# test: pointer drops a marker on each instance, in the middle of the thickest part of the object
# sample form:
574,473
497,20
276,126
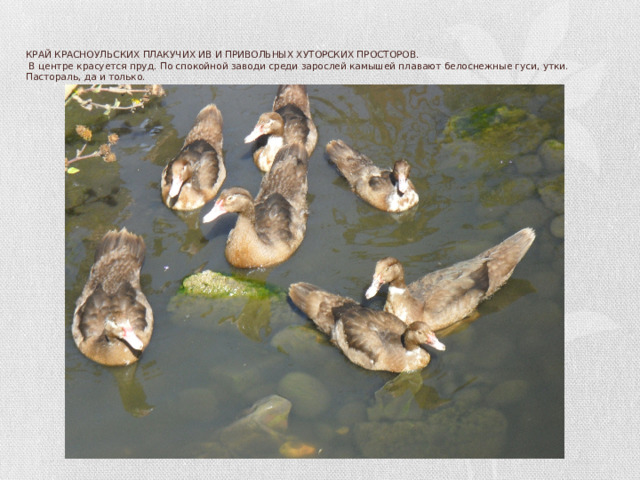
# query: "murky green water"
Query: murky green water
484,166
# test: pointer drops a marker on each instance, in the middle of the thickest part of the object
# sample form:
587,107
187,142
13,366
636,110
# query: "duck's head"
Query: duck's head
419,333
181,172
269,123
231,200
401,169
122,329
387,270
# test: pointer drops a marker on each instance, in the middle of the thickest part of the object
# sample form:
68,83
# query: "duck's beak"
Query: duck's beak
403,184
217,210
433,341
374,287
176,185
257,132
129,336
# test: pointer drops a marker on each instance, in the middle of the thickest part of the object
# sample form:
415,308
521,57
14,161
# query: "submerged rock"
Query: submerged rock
528,164
557,226
552,193
243,302
531,209
260,433
309,396
509,192
552,154
501,131
508,392
197,404
218,285
454,432
404,397
303,344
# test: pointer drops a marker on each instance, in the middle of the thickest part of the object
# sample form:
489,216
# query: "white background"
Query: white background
597,41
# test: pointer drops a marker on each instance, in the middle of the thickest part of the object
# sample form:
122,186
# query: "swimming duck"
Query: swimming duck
113,321
289,122
388,190
195,175
446,296
372,339
271,227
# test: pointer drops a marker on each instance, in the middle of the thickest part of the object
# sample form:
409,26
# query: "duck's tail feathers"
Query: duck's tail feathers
317,304
292,95
348,160
208,127
503,258
122,240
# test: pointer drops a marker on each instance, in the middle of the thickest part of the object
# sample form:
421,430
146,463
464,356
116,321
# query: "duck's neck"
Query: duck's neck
408,340
398,284
246,220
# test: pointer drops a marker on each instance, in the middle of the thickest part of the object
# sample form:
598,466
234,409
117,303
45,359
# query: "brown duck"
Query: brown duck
289,122
446,296
388,190
195,175
271,227
113,321
372,339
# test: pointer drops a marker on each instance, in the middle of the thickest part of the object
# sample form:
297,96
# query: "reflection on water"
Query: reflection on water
486,161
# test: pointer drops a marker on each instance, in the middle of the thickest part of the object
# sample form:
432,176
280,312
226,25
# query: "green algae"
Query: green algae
485,119
498,132
218,285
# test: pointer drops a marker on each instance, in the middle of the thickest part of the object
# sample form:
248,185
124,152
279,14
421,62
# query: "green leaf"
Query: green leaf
72,170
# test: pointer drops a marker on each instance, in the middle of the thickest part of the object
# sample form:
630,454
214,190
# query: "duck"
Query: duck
113,321
271,227
387,190
289,122
194,176
371,339
446,296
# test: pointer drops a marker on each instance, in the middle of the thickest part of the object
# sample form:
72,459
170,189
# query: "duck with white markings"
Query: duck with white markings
388,190
113,321
289,122
371,339
195,175
270,228
446,296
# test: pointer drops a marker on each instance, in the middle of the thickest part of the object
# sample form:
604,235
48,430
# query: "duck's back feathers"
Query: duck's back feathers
296,125
452,293
292,95
195,175
353,165
320,306
486,272
208,127
287,176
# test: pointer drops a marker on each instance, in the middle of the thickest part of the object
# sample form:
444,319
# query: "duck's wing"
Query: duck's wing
287,176
353,165
371,332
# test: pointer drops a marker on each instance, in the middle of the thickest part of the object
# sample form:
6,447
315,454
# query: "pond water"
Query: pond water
486,161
